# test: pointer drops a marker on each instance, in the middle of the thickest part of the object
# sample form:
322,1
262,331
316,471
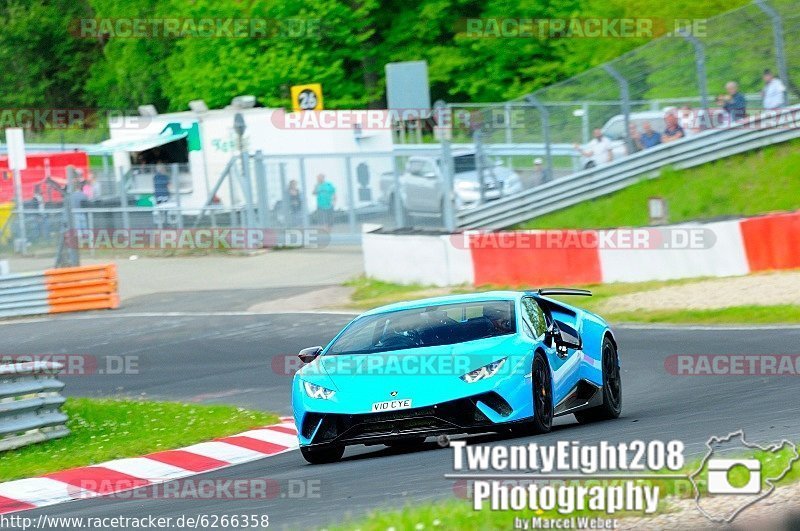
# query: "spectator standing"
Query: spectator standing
649,137
674,131
774,93
76,201
735,104
635,137
326,199
597,150
295,203
161,184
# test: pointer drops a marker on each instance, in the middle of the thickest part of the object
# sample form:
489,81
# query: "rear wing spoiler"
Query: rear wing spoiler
546,292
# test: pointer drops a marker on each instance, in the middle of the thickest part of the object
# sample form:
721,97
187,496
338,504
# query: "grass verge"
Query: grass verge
108,429
459,514
371,293
743,185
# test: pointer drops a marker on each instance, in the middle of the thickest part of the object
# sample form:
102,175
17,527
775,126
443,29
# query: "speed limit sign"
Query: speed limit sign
307,97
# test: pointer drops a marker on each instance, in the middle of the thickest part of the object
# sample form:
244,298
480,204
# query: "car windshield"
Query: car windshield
427,326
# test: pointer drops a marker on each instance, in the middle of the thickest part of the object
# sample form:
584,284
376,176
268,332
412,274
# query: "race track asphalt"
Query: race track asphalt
228,358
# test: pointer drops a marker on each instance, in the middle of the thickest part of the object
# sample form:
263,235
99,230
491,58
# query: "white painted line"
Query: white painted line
225,452
272,436
149,469
42,491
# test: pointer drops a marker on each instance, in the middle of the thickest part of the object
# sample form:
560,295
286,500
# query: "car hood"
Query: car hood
501,173
426,375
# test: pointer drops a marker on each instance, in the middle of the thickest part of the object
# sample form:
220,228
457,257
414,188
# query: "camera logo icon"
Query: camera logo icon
719,476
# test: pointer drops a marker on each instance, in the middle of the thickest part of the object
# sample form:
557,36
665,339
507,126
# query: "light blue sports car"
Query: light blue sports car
485,362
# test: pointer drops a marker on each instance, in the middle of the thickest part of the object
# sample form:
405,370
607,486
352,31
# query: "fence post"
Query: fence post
261,189
507,122
477,139
700,65
397,202
532,100
585,134
351,203
123,200
304,191
624,92
777,33
248,190
283,195
23,236
175,178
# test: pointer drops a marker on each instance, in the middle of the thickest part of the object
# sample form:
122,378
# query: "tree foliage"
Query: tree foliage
343,44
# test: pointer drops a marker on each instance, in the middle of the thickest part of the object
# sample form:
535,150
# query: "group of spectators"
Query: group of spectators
679,123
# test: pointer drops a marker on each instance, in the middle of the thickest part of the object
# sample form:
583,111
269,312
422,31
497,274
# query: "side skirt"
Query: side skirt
584,395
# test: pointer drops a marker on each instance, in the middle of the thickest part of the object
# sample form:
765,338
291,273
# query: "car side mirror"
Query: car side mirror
566,337
307,355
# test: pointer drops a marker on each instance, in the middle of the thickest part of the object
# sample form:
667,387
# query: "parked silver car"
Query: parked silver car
421,189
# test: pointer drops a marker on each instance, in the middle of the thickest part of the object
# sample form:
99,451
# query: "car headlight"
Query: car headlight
487,371
317,391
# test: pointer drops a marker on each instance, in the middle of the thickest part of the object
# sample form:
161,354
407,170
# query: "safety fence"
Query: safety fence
750,134
30,404
69,289
536,258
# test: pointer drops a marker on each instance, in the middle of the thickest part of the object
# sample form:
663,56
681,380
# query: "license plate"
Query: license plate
390,405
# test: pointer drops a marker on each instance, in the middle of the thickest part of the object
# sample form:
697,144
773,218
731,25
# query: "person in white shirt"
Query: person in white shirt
774,93
597,150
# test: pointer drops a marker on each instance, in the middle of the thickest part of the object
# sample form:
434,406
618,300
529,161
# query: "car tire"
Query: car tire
612,389
322,455
542,395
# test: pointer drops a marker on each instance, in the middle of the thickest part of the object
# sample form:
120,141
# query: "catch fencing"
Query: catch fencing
754,133
30,404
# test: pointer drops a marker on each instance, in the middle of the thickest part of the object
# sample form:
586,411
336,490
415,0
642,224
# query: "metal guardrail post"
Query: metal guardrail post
261,189
533,101
777,33
700,65
625,95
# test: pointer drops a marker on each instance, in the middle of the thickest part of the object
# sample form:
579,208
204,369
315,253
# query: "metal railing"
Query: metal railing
752,133
30,404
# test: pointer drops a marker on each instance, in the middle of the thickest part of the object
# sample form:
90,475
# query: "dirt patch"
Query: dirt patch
331,298
760,290
768,513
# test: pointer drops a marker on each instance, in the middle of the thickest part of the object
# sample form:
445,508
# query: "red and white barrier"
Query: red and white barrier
574,257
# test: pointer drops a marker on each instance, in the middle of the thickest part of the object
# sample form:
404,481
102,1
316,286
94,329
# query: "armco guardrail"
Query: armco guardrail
69,289
588,184
30,404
